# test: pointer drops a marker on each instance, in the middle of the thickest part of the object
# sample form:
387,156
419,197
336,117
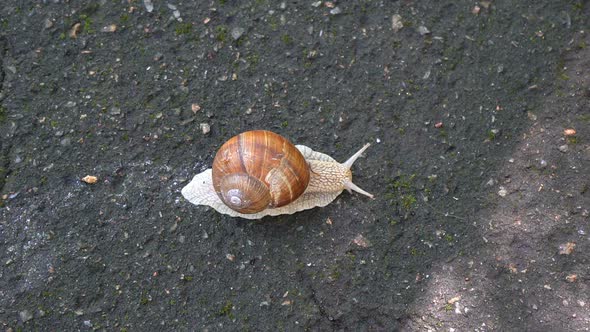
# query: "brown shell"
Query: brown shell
264,156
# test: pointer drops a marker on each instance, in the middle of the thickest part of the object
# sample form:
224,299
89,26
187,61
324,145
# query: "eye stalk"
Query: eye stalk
348,164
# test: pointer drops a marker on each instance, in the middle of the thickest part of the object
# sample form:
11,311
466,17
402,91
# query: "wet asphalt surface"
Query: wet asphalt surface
479,119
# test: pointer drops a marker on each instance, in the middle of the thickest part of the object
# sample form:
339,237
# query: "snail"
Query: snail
259,173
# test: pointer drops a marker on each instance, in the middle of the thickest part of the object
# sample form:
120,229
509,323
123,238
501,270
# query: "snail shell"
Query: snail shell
260,173
259,169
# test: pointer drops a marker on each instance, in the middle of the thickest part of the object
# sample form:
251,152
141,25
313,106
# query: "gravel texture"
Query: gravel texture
481,217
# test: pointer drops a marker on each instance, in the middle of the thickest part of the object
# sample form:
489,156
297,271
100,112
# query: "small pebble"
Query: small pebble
531,116
205,128
90,179
569,132
25,316
74,30
360,241
454,299
48,23
422,30
195,108
65,142
335,11
187,121
502,192
563,148
396,23
110,28
567,248
175,12
543,163
148,5
237,32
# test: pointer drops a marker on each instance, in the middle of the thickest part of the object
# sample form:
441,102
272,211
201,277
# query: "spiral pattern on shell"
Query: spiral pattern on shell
259,169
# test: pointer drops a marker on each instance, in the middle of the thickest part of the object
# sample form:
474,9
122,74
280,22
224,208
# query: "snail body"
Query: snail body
259,173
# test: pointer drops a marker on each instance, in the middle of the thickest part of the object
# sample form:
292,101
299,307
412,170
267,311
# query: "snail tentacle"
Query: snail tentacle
353,187
348,185
351,160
